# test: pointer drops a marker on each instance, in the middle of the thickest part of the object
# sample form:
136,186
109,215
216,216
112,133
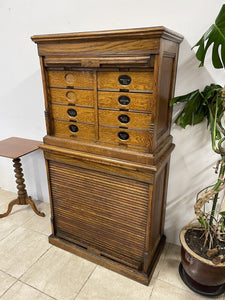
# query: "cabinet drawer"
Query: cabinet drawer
126,119
76,79
126,80
131,101
125,136
70,96
71,129
80,114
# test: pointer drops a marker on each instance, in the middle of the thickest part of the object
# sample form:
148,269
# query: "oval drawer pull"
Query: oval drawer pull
123,135
124,100
71,96
124,79
124,119
69,78
73,128
72,112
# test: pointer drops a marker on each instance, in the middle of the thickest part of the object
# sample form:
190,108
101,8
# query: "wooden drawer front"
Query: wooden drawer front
102,210
70,96
80,114
138,80
126,119
131,101
138,138
62,129
76,79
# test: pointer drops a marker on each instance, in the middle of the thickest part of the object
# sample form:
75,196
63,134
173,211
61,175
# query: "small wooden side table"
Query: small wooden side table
14,148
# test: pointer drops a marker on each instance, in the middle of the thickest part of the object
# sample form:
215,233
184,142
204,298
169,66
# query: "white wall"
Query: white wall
21,96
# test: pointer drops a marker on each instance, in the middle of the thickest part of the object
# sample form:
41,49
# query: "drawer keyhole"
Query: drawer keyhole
124,119
124,100
73,128
124,79
72,112
124,136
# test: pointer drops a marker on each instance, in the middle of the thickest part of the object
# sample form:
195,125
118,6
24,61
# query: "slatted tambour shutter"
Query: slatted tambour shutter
98,209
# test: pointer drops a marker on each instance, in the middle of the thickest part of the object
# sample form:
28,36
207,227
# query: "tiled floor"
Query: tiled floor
32,269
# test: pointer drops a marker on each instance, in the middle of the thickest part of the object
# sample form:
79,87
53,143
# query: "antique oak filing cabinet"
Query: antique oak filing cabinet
108,145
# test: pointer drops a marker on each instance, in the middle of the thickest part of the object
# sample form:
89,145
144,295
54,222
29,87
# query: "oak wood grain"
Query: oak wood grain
83,79
72,97
139,80
140,138
62,129
135,120
67,113
138,101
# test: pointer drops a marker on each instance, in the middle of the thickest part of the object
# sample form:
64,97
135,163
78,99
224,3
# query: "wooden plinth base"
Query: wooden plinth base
110,264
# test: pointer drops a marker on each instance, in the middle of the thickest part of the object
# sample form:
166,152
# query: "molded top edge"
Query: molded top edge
159,31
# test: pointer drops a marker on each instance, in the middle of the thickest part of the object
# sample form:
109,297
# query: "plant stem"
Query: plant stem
213,210
217,185
213,121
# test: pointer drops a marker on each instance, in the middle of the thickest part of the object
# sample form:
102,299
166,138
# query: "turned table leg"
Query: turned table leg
22,198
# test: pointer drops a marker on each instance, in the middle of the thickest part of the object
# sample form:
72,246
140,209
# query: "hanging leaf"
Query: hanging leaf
200,105
194,110
215,36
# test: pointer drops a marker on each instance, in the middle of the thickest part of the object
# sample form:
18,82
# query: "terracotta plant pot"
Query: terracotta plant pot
200,274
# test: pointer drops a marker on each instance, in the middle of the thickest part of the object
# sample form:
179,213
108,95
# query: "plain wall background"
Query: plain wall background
21,96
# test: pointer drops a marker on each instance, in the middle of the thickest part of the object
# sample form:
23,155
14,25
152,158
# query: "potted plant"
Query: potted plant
202,265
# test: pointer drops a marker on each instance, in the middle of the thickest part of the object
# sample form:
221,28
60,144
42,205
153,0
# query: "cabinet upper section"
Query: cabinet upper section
109,90
94,49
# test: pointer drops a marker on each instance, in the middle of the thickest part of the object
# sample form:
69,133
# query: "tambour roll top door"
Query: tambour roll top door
106,211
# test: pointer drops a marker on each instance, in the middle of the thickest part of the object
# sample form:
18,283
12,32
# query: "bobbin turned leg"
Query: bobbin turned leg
22,198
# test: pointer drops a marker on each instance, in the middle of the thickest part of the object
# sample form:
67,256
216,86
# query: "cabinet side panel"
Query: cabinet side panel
164,111
158,209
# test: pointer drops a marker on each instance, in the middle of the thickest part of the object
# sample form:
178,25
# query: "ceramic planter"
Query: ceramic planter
200,274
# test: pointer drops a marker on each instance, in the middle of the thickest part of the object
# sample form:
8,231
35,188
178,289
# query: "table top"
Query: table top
15,147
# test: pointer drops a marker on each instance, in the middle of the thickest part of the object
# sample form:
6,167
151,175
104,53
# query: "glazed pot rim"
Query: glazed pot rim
186,247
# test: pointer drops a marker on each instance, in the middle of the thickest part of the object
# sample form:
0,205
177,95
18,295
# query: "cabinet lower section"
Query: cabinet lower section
108,211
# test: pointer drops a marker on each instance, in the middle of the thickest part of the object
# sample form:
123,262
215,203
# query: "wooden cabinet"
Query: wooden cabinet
108,143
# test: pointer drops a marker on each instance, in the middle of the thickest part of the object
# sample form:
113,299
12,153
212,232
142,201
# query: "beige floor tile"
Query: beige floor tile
161,261
169,268
166,291
20,249
40,224
19,215
21,291
6,227
105,284
59,274
6,195
5,282
5,198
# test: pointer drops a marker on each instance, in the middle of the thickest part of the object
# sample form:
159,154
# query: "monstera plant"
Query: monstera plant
204,236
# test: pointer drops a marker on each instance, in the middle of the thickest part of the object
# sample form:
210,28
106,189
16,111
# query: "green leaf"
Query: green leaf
222,213
214,36
193,112
210,91
184,98
202,222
